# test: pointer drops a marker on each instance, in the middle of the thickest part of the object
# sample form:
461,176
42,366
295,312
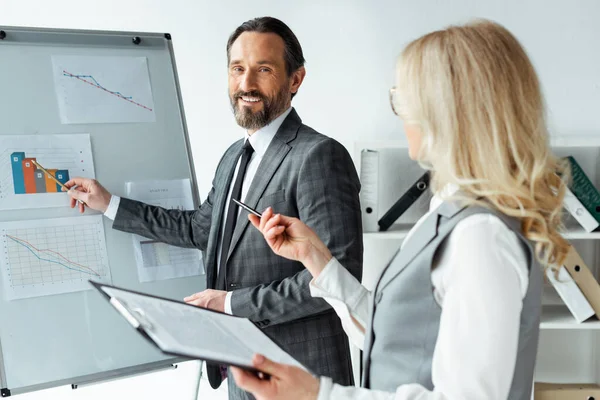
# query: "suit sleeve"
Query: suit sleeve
178,228
328,202
175,227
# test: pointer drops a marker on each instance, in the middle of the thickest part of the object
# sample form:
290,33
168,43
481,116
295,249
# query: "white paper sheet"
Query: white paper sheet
196,332
155,260
71,154
52,256
97,89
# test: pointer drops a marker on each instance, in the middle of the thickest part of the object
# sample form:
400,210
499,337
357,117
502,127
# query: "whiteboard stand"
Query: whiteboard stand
75,338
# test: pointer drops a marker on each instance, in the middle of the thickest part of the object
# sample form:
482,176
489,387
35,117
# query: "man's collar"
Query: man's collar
261,139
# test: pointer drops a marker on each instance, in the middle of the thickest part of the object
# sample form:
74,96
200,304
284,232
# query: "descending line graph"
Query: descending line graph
96,84
43,257
50,254
103,89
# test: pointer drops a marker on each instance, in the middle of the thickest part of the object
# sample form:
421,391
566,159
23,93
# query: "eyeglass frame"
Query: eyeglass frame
392,95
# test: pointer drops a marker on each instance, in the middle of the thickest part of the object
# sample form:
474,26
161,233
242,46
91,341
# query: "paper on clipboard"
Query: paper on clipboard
156,260
181,329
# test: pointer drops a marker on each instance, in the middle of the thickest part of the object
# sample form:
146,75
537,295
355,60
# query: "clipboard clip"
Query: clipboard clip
142,318
138,321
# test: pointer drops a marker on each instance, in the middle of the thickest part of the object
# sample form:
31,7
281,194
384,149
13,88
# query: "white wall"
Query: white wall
350,47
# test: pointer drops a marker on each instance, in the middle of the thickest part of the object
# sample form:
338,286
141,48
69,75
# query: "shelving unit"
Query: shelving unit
559,317
568,351
401,230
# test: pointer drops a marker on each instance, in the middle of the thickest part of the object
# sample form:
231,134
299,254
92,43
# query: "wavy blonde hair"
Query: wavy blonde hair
476,98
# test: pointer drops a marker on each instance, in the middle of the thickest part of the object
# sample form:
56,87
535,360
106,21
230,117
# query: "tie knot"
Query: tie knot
248,147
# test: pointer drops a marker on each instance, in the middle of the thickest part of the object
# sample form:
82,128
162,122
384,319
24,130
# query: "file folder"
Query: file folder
584,278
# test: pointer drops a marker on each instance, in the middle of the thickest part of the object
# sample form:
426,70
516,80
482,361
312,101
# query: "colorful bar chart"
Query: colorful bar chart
27,179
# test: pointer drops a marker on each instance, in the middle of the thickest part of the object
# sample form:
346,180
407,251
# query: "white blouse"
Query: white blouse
480,281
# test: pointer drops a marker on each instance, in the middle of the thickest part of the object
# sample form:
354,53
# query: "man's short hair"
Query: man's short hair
294,59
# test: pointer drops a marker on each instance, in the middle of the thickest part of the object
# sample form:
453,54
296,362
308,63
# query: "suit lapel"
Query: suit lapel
417,242
274,156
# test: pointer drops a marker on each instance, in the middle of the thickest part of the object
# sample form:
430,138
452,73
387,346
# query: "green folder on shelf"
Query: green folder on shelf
584,189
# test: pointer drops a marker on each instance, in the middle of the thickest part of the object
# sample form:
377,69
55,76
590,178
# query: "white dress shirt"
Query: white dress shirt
479,281
260,141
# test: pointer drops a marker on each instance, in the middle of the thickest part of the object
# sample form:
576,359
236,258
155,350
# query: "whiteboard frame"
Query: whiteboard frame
100,38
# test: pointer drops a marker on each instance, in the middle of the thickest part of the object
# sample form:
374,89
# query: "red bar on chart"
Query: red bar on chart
29,175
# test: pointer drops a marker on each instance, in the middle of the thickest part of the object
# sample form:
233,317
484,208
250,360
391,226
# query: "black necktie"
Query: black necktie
232,214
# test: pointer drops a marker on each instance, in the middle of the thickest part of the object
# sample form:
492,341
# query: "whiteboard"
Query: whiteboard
74,338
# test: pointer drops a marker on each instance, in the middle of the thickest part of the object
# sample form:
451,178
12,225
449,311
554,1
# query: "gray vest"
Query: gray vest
405,317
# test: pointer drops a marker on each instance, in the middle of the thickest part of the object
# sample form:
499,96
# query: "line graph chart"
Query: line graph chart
52,256
103,89
90,80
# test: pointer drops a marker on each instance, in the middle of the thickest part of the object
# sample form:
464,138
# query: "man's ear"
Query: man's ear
297,79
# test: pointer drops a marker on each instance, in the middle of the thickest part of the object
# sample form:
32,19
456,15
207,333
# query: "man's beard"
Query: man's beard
248,119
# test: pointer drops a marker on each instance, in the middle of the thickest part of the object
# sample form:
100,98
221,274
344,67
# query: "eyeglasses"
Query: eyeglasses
392,98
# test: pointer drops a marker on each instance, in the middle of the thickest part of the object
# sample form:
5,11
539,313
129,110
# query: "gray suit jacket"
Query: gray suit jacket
303,174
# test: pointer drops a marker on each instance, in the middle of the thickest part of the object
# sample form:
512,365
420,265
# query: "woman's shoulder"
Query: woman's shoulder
487,238
485,229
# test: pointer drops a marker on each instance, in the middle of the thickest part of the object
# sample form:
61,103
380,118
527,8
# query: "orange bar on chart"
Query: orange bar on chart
29,175
51,183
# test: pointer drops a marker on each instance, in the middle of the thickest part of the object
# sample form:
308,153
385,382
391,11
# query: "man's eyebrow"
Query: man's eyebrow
261,62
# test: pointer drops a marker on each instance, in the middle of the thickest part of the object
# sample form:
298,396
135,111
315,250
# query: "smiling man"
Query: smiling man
280,163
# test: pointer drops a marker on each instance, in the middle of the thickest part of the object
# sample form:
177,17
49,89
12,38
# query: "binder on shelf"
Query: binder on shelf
565,391
369,193
584,278
407,199
570,293
584,189
579,211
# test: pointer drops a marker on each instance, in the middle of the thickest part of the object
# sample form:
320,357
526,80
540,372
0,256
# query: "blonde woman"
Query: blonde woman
455,315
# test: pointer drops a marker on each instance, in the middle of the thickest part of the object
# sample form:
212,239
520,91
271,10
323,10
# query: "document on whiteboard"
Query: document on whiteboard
103,89
156,260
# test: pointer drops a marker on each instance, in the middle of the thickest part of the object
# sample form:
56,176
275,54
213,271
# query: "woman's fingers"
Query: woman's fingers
266,215
274,221
274,232
285,220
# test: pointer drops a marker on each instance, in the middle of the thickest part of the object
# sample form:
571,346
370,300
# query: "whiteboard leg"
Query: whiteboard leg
198,379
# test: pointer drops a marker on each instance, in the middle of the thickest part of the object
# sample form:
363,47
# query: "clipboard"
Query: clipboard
184,330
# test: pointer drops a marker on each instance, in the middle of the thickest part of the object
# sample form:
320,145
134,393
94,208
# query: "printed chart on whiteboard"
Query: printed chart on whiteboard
156,260
52,256
22,185
103,89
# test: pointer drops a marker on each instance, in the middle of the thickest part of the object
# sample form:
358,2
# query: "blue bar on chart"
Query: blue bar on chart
63,177
16,160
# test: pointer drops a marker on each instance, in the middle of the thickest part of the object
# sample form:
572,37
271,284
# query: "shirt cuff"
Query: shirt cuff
113,207
325,386
228,303
335,282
